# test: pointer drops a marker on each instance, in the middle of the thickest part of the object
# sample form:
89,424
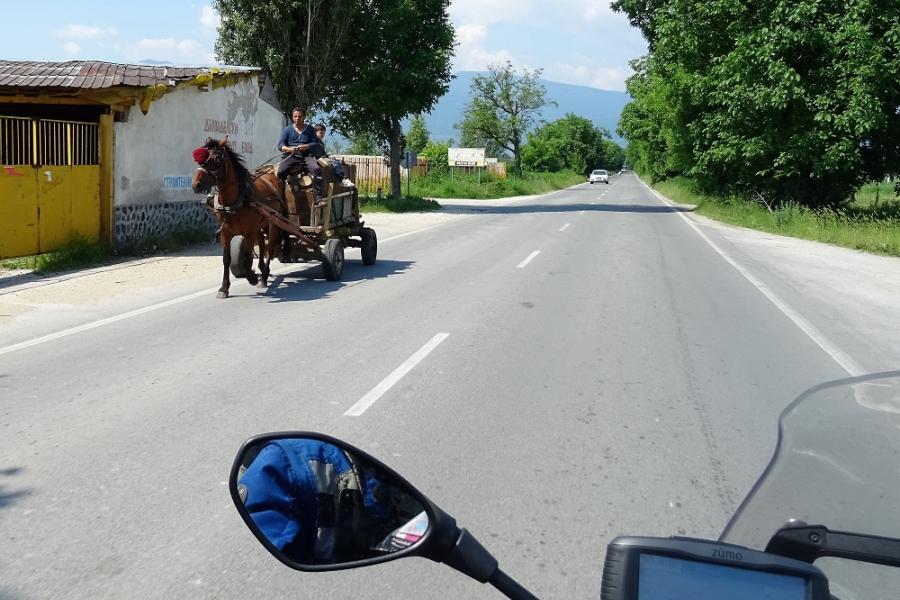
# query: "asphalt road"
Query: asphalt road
627,379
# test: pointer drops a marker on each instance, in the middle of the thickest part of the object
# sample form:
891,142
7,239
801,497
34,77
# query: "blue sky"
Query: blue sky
574,41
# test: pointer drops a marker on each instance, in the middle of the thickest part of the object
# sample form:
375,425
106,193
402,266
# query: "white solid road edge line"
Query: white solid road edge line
528,259
94,324
141,311
840,357
388,382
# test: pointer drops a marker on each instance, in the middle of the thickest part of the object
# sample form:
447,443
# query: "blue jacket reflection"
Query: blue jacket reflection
284,484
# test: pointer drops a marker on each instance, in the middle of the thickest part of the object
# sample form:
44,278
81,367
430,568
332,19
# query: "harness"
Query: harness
245,194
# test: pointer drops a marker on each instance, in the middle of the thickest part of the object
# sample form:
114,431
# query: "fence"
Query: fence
373,172
498,169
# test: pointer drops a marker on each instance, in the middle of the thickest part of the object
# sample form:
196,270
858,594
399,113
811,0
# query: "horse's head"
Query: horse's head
212,159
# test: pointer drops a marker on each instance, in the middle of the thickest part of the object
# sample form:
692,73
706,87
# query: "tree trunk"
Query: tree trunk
395,151
517,151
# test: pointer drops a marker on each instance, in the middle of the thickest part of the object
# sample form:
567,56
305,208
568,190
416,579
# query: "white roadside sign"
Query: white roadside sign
465,157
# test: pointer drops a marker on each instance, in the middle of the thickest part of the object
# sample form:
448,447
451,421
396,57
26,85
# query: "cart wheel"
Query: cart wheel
369,246
333,259
239,260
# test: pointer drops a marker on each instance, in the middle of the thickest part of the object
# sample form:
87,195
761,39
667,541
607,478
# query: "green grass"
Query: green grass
79,252
370,204
82,253
862,224
467,185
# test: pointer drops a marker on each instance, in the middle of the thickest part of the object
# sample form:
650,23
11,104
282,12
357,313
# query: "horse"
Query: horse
222,167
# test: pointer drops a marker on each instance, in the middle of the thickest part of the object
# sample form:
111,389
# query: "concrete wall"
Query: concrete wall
153,164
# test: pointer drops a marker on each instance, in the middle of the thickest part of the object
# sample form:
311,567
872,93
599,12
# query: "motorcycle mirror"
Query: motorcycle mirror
319,504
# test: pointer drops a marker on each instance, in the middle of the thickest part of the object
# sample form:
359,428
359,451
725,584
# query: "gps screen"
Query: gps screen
667,578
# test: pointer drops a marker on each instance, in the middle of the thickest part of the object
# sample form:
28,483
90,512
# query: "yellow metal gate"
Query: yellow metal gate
49,184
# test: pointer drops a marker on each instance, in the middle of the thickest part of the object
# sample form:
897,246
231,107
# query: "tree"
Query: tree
571,143
437,157
417,136
504,107
470,138
790,100
399,65
300,43
658,142
362,144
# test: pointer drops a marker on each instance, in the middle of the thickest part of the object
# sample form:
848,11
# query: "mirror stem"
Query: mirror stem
469,557
510,587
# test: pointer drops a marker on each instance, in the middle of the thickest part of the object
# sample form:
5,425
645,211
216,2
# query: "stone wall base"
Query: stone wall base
138,224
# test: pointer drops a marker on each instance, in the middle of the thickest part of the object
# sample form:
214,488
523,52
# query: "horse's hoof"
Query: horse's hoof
252,279
222,294
262,284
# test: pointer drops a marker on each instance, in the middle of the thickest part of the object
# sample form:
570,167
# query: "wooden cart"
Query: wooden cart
322,232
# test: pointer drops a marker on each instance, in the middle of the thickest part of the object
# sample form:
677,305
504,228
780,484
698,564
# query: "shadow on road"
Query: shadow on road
7,498
308,283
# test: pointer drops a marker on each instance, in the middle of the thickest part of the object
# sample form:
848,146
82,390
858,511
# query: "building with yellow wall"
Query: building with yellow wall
103,150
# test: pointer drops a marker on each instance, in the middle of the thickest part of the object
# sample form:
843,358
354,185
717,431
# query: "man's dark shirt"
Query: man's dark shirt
290,137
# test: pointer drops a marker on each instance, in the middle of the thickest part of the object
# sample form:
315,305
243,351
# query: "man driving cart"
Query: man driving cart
300,148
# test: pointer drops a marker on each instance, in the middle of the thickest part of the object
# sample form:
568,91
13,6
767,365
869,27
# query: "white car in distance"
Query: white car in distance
599,176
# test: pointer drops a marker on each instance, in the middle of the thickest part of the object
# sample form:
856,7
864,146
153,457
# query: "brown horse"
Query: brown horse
222,167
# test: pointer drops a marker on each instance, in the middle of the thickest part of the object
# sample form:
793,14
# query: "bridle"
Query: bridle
216,166
213,164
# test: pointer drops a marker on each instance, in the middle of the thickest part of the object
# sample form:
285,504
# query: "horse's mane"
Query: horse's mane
237,158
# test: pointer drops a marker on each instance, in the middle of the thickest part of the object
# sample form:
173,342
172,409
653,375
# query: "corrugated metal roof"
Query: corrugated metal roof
79,74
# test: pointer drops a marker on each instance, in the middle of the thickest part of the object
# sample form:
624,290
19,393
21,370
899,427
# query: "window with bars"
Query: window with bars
25,141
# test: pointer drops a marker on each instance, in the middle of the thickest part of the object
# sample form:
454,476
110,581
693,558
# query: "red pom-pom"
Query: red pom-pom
200,155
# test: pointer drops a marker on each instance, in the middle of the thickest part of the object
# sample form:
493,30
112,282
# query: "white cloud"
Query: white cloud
471,55
479,59
598,76
186,52
73,31
209,18
72,47
471,34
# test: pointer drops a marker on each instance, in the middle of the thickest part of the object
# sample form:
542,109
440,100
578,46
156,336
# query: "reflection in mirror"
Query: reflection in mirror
318,504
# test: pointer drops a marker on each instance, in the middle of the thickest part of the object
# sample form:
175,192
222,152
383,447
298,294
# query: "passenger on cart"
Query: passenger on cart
336,166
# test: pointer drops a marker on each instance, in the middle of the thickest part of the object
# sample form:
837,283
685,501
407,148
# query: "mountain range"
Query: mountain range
603,107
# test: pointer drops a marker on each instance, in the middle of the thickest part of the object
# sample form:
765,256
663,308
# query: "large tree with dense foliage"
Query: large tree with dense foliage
571,143
504,107
369,63
399,65
300,43
790,100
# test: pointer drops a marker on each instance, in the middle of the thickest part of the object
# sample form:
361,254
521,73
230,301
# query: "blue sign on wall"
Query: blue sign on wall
176,182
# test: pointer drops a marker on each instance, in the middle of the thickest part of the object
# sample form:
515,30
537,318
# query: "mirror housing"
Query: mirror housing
328,502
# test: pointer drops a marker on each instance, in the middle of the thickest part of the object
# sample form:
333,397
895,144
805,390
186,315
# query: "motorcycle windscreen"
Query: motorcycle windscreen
837,464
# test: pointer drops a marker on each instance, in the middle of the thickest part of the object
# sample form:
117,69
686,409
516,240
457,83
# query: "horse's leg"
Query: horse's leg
249,242
274,243
263,263
226,262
